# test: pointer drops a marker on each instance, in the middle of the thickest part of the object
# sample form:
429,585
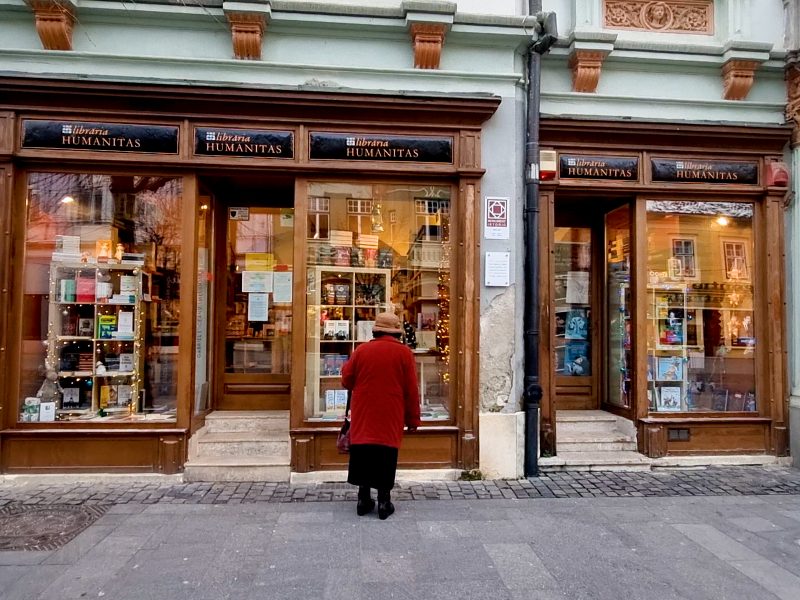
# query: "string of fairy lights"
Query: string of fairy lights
443,293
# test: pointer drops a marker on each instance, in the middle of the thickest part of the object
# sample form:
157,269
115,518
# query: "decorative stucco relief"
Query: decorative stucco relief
793,105
664,17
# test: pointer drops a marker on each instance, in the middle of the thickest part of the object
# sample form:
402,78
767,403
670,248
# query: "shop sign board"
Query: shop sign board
255,143
99,137
382,148
704,171
614,168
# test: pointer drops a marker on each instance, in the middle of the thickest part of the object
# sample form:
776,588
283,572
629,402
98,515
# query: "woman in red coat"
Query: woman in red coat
382,378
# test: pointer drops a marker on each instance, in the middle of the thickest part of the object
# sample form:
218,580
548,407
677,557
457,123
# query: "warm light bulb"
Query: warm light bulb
67,200
722,221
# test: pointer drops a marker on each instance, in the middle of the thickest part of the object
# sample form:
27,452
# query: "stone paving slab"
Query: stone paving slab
712,481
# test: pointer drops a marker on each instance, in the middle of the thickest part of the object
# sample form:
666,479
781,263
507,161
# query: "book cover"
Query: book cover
669,398
669,368
576,326
106,326
576,359
340,400
127,284
124,395
67,290
126,362
105,395
47,411
125,321
86,327
71,397
330,400
84,289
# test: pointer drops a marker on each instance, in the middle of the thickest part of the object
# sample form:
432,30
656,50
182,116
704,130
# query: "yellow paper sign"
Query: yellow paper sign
259,261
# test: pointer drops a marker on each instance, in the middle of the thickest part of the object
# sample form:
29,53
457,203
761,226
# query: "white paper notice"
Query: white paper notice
578,287
257,281
282,286
497,269
496,224
258,307
125,322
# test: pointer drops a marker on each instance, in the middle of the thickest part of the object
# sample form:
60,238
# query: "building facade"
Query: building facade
206,205
664,223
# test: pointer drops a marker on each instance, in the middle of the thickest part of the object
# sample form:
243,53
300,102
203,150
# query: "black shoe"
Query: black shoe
365,506
384,510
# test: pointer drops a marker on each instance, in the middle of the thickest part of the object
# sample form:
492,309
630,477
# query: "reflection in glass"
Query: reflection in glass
102,298
701,340
372,248
618,307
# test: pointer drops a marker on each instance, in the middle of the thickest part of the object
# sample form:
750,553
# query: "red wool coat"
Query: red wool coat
382,378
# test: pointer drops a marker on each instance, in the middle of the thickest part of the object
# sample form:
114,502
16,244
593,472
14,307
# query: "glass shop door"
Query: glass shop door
254,305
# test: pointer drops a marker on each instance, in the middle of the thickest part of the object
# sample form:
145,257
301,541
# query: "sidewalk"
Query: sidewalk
731,533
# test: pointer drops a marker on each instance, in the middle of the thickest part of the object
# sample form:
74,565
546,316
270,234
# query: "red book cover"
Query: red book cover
85,289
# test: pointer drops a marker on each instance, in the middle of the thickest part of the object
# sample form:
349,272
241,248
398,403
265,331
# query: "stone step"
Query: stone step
595,461
252,420
580,416
238,468
595,446
243,443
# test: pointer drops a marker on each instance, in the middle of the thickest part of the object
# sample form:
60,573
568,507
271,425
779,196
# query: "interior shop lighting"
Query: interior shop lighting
67,199
722,221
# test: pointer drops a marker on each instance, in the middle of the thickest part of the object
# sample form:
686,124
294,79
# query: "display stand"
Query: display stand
94,339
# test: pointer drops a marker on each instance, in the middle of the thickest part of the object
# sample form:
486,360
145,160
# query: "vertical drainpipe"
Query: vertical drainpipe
532,393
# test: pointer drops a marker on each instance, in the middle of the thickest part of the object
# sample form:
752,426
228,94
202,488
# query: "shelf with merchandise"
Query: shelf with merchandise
342,303
94,339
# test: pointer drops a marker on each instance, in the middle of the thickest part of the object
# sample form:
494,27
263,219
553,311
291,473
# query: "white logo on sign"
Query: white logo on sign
211,136
679,164
351,141
67,129
571,162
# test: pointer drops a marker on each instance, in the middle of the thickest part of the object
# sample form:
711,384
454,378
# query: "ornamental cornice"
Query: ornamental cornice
793,104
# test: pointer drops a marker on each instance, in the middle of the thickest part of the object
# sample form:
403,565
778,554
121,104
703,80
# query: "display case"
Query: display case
341,308
668,346
93,343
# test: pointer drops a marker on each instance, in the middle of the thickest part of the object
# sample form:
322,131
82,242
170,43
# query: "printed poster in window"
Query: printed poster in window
669,398
257,281
578,287
258,307
576,359
577,324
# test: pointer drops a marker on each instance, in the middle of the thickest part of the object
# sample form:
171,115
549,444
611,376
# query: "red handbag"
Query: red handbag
343,439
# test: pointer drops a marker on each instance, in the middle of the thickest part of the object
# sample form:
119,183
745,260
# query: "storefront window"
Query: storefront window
701,342
372,248
101,304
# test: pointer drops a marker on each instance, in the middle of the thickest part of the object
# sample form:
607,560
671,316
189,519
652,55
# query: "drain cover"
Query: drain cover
44,527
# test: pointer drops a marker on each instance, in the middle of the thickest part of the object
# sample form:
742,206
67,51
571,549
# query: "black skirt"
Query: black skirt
372,465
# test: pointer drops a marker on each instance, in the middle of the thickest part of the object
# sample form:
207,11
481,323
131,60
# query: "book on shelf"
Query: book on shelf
86,327
126,362
106,326
125,322
47,412
71,397
669,398
124,395
85,289
340,400
67,290
330,400
68,245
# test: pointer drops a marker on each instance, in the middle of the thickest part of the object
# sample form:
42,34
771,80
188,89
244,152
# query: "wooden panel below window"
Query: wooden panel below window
421,450
711,437
93,452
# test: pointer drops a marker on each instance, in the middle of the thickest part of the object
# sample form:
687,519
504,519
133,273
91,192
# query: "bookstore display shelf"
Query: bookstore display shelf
94,336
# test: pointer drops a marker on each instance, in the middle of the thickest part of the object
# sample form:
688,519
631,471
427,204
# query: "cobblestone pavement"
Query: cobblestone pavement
712,481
